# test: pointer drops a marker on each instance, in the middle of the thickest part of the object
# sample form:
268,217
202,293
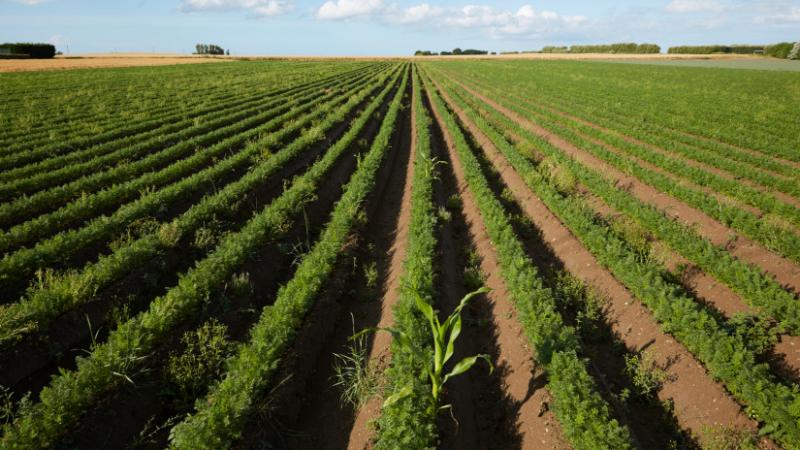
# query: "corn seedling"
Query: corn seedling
444,335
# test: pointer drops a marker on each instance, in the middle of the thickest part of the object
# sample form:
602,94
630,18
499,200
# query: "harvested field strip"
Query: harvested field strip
726,357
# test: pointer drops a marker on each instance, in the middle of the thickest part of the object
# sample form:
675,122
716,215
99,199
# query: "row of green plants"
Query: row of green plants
696,147
139,110
707,152
229,132
773,236
220,417
410,422
583,414
46,301
60,169
22,152
72,393
726,356
755,287
699,102
20,265
130,162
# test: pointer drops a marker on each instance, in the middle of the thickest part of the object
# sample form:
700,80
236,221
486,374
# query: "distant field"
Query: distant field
189,249
98,61
749,63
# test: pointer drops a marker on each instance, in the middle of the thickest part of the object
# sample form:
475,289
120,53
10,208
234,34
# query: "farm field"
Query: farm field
191,252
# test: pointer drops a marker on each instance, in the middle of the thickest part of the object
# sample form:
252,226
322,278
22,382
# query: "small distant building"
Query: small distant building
5,51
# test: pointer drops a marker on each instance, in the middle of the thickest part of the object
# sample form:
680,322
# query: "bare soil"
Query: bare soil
99,61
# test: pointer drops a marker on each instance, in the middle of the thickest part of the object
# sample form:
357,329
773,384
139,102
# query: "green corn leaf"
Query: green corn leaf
466,364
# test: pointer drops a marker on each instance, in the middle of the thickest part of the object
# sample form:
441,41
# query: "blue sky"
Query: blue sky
388,27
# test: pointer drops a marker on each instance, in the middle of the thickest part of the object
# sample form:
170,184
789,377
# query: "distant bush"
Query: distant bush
620,47
699,49
780,50
456,51
38,50
554,49
208,49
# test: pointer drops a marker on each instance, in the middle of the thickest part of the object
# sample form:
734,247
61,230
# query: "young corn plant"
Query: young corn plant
444,335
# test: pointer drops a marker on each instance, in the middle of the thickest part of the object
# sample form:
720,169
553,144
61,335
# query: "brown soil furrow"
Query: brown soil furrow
786,353
785,271
699,401
362,433
537,428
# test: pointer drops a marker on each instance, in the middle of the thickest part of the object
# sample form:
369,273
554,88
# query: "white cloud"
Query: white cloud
413,14
526,20
694,6
789,15
342,9
30,2
261,8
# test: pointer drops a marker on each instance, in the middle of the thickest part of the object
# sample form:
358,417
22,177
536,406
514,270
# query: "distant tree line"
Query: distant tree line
210,49
27,49
779,50
455,51
620,47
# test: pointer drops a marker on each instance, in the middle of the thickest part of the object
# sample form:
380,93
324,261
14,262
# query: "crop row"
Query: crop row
584,415
726,357
673,163
137,111
44,303
751,283
224,129
72,392
220,418
772,236
200,120
410,423
20,264
741,163
686,99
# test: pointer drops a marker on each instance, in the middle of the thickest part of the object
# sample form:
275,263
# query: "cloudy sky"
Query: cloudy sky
389,27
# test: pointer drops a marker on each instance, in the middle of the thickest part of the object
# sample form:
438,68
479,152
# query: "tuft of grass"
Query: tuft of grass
647,374
722,437
353,376
201,361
